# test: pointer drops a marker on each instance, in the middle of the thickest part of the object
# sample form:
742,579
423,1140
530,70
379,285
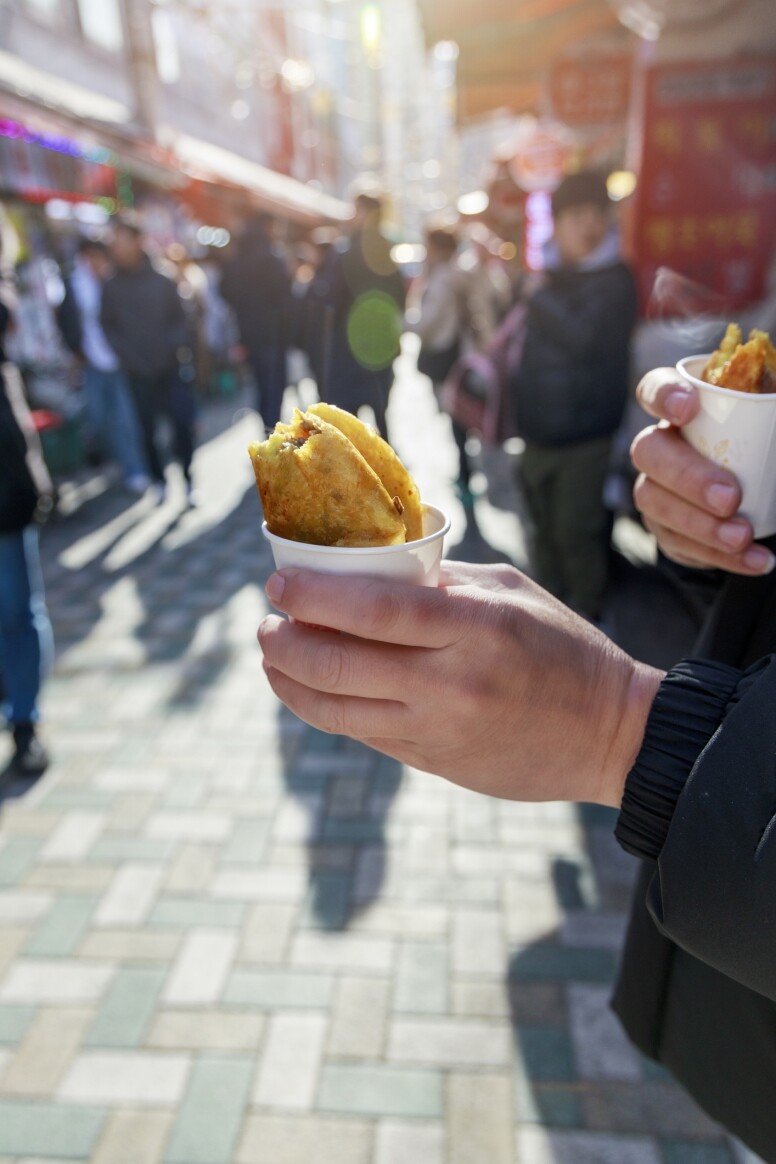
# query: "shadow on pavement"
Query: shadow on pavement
344,792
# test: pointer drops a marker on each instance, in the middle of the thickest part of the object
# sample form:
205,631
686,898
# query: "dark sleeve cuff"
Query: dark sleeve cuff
689,706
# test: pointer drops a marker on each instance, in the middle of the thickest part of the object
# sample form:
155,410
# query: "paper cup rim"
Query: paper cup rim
717,388
366,551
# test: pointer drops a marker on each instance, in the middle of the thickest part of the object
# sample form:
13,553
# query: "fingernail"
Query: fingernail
759,559
721,498
734,534
276,584
677,404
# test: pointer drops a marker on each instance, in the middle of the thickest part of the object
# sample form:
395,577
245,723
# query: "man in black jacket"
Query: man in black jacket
570,392
144,322
257,286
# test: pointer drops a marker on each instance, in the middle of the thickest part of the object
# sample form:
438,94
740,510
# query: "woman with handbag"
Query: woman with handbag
440,320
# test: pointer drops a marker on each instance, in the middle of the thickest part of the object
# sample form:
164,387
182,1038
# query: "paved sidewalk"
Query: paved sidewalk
225,937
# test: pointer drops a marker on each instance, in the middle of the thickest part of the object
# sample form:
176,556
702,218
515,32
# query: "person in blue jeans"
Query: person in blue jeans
110,409
26,641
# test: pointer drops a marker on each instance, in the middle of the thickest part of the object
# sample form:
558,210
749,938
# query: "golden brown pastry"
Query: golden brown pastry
316,487
743,367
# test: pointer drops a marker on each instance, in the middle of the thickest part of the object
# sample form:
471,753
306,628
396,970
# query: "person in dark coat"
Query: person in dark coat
26,643
570,392
493,684
257,286
144,322
367,296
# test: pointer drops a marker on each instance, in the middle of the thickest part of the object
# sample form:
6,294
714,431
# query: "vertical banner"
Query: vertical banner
705,204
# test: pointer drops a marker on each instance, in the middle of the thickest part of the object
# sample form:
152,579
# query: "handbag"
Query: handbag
437,365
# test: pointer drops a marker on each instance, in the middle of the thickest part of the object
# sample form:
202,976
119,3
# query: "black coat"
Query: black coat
697,988
257,286
144,322
572,383
25,486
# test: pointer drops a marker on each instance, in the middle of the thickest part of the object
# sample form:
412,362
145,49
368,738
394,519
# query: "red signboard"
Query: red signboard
706,199
591,91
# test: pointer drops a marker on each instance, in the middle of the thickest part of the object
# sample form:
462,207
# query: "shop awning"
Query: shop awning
276,193
508,47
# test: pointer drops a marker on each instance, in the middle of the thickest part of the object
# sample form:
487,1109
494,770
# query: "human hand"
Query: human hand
687,501
487,680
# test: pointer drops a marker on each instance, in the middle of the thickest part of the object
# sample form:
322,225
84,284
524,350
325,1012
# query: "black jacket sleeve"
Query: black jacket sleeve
69,320
110,321
585,327
701,802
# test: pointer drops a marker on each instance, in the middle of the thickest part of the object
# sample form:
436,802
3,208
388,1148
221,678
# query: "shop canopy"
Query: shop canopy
507,48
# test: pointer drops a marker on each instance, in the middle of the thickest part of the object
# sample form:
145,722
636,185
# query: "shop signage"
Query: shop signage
542,156
592,90
705,204
41,166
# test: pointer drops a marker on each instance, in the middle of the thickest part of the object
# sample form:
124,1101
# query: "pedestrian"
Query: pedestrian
26,643
570,390
490,682
440,319
144,322
110,408
367,296
487,287
256,284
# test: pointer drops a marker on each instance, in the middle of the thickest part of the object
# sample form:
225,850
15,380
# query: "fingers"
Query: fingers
663,394
661,455
751,562
341,665
386,612
337,714
666,510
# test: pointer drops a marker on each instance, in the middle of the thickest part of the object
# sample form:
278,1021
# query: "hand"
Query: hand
687,501
487,680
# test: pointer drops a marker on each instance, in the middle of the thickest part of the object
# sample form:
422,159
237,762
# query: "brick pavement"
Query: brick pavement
226,937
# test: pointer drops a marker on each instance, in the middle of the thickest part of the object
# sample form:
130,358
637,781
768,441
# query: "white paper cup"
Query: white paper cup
416,562
737,430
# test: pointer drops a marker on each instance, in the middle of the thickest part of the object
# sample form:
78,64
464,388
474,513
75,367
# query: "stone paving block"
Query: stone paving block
14,1021
209,1030
208,1121
114,848
358,1021
134,1137
426,850
473,998
46,1051
192,870
269,1139
551,962
63,797
247,843
553,1105
422,978
343,952
201,968
186,913
130,896
538,1003
130,811
479,1119
16,857
273,990
393,920
288,1072
649,1108
380,1090
409,1143
188,826
49,1129
186,791
126,1010
75,835
70,878
538,1146
128,778
601,1047
126,1078
685,1152
546,1053
450,1042
56,981
270,883
266,934
130,945
588,928
23,906
12,940
60,932
23,822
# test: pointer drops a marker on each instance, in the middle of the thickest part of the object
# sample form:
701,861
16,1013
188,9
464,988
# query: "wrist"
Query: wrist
628,725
